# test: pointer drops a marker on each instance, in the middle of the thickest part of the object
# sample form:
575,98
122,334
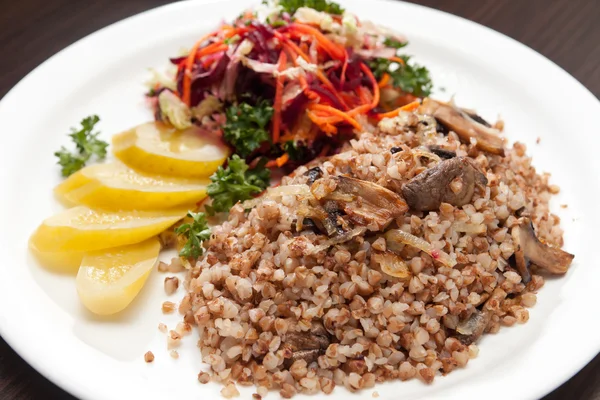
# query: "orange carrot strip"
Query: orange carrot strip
189,62
281,161
365,96
293,56
337,113
397,59
344,67
320,75
408,107
297,49
330,86
278,162
318,120
329,129
365,108
278,97
211,49
332,49
385,79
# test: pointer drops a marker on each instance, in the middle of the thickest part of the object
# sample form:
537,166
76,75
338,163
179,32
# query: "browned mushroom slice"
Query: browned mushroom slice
364,202
522,265
451,181
441,152
552,259
471,329
457,120
306,346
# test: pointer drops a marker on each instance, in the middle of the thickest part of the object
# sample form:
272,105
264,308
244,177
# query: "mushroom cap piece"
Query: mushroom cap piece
529,249
432,187
488,139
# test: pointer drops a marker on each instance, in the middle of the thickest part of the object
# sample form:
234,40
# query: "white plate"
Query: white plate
40,316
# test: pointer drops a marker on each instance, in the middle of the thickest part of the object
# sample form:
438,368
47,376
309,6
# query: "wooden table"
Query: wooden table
565,31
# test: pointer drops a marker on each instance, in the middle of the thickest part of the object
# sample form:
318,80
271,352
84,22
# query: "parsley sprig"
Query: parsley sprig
411,78
394,43
236,183
320,5
87,145
194,232
246,126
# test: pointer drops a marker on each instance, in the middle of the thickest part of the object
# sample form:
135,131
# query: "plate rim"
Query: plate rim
60,379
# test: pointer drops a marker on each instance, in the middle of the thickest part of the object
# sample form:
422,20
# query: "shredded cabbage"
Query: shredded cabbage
175,110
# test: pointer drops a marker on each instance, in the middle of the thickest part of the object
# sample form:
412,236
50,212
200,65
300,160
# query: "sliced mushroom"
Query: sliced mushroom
451,181
364,202
471,329
521,263
478,119
441,152
530,249
306,345
313,174
457,120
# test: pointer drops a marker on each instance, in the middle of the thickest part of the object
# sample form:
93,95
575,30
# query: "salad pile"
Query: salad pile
289,82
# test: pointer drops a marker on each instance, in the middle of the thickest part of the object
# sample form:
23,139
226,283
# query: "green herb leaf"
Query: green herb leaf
320,5
246,125
87,145
396,44
411,78
236,183
69,162
295,150
195,232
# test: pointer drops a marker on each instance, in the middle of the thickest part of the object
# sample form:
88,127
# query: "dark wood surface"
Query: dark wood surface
565,31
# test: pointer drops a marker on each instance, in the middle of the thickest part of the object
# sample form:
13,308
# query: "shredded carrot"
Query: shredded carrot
320,75
331,48
330,86
304,47
335,112
287,136
281,161
385,79
344,67
409,107
320,121
397,59
278,97
365,108
363,93
329,129
189,62
211,49
293,56
376,94
208,62
278,162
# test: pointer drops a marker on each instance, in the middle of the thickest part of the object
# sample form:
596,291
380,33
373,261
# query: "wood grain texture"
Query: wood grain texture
565,31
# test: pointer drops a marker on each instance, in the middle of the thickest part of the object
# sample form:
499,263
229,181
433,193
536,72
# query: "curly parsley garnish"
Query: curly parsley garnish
411,78
87,145
246,126
395,43
320,5
194,232
236,183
